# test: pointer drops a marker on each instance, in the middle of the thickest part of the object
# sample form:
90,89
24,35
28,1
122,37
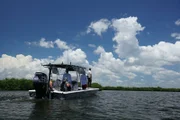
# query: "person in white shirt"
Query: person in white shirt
83,80
89,75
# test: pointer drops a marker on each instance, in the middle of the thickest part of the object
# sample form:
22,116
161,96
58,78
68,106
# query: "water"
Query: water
106,105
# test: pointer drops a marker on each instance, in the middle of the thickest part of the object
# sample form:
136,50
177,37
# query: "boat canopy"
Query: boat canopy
69,67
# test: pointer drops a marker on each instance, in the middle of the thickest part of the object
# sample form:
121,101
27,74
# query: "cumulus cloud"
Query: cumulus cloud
28,43
92,45
163,53
32,43
46,44
176,35
99,26
163,75
99,50
108,69
127,46
61,44
126,29
42,43
135,59
167,78
77,57
21,66
50,44
124,66
177,22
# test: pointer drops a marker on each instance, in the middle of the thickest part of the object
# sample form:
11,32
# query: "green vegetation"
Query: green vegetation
96,85
93,85
16,84
141,89
24,84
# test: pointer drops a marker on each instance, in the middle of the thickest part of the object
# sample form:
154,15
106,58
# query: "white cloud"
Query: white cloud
92,45
126,29
176,35
21,66
177,22
79,34
99,50
152,59
46,44
167,78
163,75
50,44
32,43
108,70
99,26
163,53
132,61
147,60
50,57
77,57
28,43
61,44
127,45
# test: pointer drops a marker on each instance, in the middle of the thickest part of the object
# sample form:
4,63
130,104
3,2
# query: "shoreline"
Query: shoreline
13,84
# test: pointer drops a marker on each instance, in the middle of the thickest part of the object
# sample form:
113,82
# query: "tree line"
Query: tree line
25,84
16,84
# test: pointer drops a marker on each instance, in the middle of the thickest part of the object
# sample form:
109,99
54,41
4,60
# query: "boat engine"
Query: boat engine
40,82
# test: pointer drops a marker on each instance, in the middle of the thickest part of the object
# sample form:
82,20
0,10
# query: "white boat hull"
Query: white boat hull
68,94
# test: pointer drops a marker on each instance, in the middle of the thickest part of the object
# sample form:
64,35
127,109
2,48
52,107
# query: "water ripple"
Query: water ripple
106,105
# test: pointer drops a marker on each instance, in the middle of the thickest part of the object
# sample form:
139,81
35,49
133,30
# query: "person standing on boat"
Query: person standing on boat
67,78
89,75
83,80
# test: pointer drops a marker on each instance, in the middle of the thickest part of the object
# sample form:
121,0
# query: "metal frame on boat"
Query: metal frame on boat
52,93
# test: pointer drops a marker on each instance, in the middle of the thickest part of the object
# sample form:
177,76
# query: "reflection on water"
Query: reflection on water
110,105
61,109
40,110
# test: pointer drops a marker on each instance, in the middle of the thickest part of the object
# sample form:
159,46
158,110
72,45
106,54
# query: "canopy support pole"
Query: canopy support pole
48,86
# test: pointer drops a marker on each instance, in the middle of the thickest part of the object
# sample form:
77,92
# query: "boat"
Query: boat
44,88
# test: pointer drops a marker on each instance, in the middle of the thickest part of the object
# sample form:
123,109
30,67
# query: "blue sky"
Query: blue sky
24,22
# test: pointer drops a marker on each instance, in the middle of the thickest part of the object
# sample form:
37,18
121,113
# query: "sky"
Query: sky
124,42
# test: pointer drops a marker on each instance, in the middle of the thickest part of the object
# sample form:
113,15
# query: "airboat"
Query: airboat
43,88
